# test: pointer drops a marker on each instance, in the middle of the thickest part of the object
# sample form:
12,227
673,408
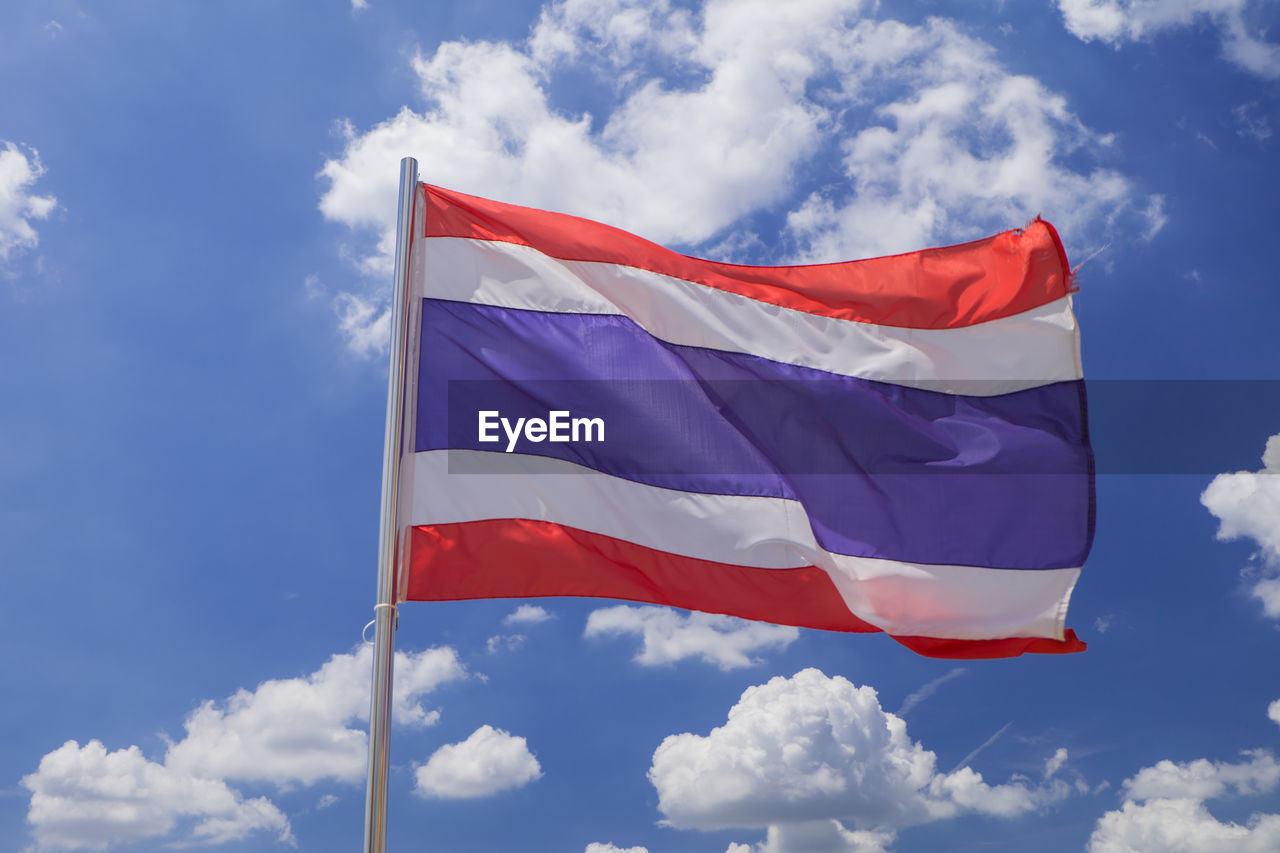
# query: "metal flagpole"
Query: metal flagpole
375,809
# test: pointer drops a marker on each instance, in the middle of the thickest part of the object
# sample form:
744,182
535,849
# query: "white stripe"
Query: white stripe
907,599
1032,348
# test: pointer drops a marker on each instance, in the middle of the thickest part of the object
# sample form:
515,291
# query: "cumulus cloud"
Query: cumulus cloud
625,30
1164,809
731,109
285,732
487,762
1247,505
20,168
669,636
85,798
526,614
808,755
819,836
966,149
1205,780
1118,21
674,163
598,847
1180,826
297,730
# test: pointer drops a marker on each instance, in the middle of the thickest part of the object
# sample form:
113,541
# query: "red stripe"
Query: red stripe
519,558
943,288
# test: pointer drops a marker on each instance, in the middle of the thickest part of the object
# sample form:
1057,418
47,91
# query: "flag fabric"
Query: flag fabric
896,444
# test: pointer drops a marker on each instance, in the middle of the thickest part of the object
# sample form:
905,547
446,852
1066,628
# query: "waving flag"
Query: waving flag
896,444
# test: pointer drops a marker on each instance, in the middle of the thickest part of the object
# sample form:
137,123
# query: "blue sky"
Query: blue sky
194,203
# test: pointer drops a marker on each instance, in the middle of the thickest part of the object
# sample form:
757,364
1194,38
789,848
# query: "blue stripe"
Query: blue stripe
882,470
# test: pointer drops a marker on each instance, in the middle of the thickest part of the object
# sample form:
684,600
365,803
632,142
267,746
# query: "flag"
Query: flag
896,444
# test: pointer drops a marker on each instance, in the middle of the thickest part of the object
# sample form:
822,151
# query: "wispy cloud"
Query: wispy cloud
1119,21
968,759
1249,124
928,690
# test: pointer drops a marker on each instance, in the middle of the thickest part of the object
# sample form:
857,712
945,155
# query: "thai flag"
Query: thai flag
896,444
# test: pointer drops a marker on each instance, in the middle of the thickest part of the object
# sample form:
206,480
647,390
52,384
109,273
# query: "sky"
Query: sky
196,204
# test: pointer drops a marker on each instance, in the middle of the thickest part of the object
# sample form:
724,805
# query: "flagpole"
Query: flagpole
375,811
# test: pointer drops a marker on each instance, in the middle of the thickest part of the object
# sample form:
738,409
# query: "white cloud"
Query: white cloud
619,31
928,690
88,798
798,753
820,836
1252,127
598,847
1267,591
365,325
1155,217
285,731
713,113
1128,20
20,168
1054,763
967,149
1180,826
1118,21
296,730
1273,712
526,614
1205,780
1247,503
669,636
1164,810
487,762
504,643
978,750
312,286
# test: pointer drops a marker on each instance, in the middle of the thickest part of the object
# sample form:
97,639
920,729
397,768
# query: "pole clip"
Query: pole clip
395,613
